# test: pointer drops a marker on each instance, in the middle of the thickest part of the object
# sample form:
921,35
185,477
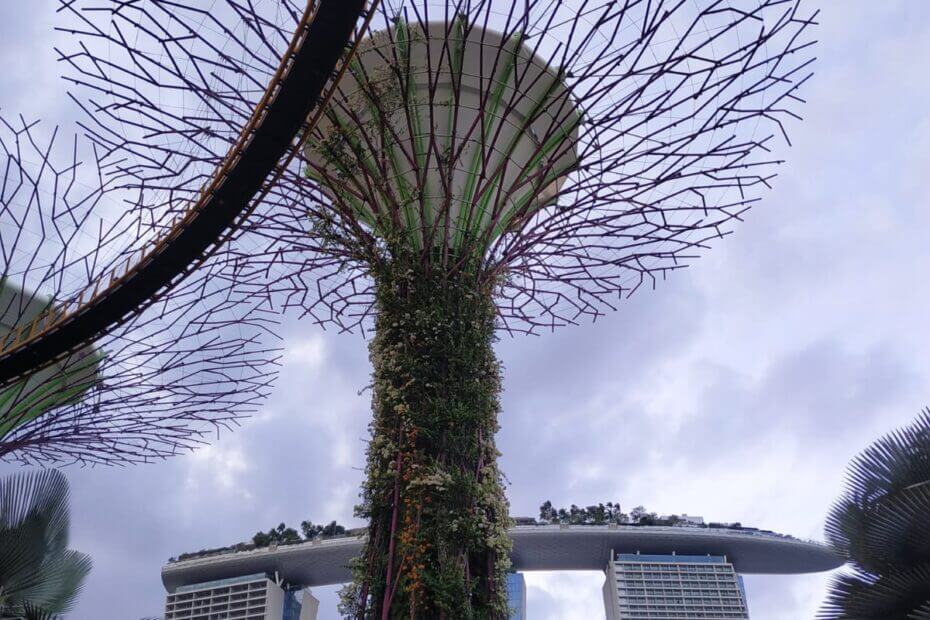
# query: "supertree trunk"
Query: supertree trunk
437,545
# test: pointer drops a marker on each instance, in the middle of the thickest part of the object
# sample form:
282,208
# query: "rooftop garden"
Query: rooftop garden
277,536
596,514
603,514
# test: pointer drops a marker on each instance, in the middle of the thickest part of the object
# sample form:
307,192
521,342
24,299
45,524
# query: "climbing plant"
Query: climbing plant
438,544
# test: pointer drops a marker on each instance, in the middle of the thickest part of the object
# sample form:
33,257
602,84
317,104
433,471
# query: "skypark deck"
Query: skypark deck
535,547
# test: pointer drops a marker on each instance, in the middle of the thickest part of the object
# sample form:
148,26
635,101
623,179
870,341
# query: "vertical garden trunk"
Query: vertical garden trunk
438,545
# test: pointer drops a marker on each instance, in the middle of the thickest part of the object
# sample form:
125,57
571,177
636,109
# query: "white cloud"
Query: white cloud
309,352
564,596
217,469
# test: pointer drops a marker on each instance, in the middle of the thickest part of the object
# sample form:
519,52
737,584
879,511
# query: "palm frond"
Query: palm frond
882,535
882,523
36,567
39,494
27,612
862,596
921,614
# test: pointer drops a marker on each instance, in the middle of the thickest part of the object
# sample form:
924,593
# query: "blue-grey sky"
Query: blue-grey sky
738,389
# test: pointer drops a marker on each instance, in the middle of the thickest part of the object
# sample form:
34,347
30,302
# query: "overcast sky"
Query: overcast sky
737,390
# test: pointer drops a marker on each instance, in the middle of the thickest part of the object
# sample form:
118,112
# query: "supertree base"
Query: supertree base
437,545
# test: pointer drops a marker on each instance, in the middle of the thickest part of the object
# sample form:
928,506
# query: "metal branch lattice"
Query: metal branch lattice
681,108
191,362
181,348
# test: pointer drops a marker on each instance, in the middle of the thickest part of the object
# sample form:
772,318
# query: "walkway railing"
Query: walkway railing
314,60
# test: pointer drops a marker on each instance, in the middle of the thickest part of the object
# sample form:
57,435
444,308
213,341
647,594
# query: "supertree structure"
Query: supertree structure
190,362
121,338
480,167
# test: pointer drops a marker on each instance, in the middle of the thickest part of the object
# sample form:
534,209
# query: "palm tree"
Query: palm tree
39,575
882,524
27,612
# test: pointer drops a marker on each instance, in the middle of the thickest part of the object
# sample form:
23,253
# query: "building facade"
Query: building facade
516,596
256,597
249,597
673,587
649,585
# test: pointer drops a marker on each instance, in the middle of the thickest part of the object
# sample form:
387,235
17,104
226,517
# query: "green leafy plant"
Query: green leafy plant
599,514
882,524
27,612
438,544
278,535
39,575
283,535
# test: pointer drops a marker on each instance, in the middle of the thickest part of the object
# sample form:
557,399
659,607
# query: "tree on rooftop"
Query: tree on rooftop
598,514
547,513
310,530
280,535
332,529
637,514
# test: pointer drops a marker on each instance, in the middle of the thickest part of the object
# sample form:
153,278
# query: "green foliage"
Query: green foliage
279,535
283,535
438,544
881,524
311,531
27,611
39,575
604,514
598,514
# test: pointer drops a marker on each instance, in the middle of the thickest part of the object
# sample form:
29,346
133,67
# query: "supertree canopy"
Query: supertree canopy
122,338
445,140
578,150
480,167
190,362
57,385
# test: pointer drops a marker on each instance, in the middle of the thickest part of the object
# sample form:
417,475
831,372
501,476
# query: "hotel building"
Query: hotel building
652,572
673,587
249,597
